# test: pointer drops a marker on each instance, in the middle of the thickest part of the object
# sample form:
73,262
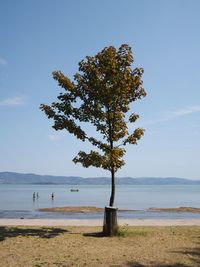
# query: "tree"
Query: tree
100,94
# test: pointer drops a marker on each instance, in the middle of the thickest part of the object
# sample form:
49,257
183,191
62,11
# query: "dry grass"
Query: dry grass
83,246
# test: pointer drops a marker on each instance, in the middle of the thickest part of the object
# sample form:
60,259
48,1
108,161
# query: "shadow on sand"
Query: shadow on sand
43,232
96,234
192,253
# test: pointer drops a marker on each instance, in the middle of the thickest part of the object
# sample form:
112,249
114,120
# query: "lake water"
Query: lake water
16,201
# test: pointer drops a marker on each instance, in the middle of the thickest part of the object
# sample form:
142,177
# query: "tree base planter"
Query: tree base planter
110,226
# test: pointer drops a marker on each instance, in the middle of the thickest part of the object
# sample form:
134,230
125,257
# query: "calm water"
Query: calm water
16,200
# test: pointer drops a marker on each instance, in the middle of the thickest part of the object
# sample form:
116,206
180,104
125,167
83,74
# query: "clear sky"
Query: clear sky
38,37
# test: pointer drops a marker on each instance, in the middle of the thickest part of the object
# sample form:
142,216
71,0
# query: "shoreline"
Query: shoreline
98,222
93,209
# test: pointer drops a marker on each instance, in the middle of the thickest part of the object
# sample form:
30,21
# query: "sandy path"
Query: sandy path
131,222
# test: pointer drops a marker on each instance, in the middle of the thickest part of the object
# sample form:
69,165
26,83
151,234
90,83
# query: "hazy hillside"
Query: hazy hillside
29,178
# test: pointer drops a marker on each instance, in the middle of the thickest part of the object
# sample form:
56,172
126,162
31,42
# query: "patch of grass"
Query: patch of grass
126,231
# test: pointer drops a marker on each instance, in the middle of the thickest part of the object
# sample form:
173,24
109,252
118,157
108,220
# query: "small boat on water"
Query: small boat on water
74,190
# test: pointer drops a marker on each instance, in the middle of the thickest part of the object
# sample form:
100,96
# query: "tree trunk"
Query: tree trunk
112,197
110,226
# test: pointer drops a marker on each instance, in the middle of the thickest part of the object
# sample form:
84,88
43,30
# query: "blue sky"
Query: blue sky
38,37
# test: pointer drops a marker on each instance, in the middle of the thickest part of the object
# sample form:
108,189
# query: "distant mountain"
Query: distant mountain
29,178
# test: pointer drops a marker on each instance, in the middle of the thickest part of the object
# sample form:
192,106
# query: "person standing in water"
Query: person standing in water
34,197
52,196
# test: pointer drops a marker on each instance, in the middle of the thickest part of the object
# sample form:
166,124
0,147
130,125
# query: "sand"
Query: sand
81,246
95,222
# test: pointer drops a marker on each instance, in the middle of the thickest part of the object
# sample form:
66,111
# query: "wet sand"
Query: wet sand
180,209
93,209
73,209
97,222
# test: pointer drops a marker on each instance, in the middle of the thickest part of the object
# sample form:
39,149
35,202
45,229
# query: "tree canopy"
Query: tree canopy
100,94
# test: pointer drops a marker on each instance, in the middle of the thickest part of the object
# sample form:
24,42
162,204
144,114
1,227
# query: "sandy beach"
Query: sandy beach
95,222
61,246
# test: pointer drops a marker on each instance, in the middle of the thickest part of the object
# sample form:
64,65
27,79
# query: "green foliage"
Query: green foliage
100,94
122,231
125,231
